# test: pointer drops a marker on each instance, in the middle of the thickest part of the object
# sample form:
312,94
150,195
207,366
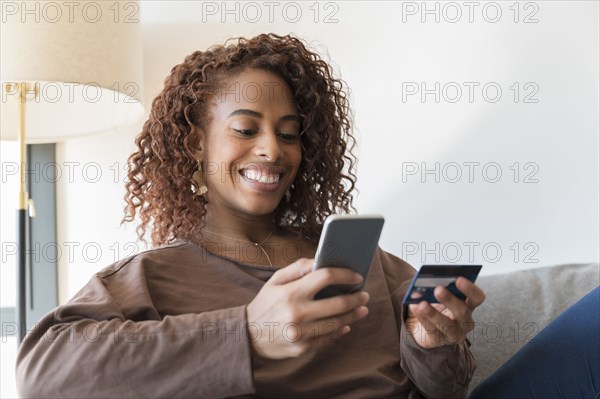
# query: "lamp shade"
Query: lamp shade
85,56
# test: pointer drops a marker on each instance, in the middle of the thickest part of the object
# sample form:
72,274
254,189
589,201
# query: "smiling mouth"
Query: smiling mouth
261,177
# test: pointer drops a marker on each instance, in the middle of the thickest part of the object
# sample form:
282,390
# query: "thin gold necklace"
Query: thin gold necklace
251,242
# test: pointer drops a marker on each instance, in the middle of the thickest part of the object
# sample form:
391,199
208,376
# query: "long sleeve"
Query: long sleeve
111,341
171,322
437,373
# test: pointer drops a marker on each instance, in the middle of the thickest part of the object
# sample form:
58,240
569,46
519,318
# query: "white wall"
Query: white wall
553,220
90,207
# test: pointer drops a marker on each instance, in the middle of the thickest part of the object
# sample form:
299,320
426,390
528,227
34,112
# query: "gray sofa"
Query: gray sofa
519,304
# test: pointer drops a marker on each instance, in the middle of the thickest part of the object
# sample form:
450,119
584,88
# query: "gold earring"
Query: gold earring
198,177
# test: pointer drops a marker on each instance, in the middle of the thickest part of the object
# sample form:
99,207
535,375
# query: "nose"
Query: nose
268,146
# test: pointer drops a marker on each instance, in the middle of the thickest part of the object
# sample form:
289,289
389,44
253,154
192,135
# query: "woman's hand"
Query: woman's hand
445,323
285,321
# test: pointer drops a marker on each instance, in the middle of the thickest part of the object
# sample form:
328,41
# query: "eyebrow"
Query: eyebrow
254,114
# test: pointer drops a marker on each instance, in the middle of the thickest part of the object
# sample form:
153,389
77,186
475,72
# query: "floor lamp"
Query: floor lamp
65,73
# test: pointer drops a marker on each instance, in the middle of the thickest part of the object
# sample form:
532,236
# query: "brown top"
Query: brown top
171,322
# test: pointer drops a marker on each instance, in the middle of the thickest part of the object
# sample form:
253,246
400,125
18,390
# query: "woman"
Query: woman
247,150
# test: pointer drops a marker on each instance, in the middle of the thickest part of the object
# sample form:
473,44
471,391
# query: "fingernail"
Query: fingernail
440,293
358,278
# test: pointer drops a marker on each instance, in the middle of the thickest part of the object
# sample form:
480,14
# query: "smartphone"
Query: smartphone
430,276
348,241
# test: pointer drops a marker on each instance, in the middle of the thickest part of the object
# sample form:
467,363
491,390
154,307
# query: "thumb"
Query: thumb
292,272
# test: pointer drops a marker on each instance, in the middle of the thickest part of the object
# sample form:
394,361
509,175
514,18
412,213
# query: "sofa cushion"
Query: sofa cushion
519,304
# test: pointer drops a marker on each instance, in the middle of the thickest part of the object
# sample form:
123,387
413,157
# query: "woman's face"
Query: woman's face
251,151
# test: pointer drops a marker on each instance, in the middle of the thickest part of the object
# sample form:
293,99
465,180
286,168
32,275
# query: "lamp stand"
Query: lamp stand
21,308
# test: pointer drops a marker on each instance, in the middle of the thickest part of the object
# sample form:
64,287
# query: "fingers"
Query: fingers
335,327
292,272
286,304
459,309
304,337
475,295
336,305
345,319
449,321
436,329
326,276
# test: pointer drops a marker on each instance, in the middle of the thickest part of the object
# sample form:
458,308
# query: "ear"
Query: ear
199,141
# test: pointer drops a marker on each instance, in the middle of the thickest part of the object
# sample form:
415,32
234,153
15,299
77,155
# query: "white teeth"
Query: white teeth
254,174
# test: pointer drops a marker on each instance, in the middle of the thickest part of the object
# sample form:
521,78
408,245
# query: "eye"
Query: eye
245,132
289,137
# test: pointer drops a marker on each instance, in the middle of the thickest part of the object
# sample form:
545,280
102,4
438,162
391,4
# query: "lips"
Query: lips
260,176
265,175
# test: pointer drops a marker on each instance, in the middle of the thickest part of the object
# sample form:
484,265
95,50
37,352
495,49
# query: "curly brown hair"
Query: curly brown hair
160,171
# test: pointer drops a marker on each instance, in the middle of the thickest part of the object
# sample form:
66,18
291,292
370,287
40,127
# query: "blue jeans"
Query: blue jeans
563,361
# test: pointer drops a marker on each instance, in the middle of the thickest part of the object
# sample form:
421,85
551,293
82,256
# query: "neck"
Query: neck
246,227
